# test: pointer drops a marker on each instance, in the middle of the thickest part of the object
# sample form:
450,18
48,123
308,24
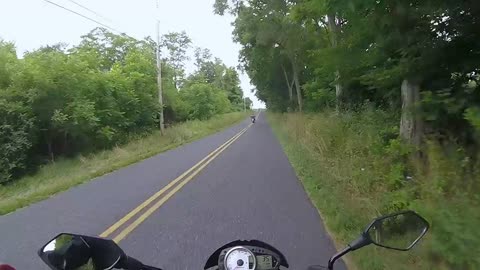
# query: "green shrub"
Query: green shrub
16,124
202,101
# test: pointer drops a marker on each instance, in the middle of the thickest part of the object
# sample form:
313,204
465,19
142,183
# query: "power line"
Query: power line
88,18
92,11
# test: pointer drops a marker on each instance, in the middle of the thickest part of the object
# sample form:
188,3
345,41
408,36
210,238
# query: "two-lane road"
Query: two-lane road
244,188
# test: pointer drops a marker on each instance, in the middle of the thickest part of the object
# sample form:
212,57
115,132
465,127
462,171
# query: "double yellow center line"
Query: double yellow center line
186,177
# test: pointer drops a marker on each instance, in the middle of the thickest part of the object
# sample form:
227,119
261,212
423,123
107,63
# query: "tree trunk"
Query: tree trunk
411,124
338,91
289,85
334,29
65,143
50,150
297,86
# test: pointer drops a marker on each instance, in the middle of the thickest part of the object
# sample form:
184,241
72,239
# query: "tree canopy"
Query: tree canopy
419,58
59,102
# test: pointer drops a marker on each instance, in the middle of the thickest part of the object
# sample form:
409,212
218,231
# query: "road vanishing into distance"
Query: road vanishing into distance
176,208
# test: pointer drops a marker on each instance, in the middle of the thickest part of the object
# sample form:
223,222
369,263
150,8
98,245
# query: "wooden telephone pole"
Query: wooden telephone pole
159,77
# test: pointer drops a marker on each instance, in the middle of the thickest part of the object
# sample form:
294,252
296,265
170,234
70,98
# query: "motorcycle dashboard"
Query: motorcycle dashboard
246,255
248,258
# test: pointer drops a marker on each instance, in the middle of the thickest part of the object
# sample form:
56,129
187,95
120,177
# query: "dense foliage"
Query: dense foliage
419,58
58,101
417,62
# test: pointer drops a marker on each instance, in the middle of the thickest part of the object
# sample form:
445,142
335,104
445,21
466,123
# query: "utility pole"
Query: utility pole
159,77
244,106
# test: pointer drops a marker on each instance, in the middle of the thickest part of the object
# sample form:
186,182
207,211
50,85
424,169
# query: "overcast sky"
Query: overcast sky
33,23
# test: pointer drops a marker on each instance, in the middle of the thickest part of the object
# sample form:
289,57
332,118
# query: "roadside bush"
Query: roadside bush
204,101
16,125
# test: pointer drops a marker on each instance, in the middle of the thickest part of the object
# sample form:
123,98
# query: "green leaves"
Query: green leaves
8,58
55,102
16,137
202,101
473,115
62,103
176,45
213,72
362,51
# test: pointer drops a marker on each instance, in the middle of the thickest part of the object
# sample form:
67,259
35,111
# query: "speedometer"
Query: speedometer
239,258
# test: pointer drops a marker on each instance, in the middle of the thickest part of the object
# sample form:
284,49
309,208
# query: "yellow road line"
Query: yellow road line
157,205
139,208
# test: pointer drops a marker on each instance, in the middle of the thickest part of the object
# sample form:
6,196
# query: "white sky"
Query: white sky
33,23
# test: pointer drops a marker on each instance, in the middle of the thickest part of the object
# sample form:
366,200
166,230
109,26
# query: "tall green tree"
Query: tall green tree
16,119
175,46
266,26
392,54
105,48
204,101
213,71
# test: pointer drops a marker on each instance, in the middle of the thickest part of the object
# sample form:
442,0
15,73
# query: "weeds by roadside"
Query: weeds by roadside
354,168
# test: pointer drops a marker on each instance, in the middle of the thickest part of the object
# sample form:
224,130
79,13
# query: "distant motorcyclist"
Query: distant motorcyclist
253,118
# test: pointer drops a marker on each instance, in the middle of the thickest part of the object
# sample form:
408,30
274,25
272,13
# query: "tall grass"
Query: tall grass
63,174
354,168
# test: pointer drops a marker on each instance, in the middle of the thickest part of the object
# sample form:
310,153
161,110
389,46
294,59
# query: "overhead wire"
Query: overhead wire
86,17
92,11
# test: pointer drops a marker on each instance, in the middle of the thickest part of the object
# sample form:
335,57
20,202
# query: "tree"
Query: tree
79,104
16,120
8,57
265,26
176,45
231,83
204,101
248,103
105,48
201,57
414,57
410,48
216,73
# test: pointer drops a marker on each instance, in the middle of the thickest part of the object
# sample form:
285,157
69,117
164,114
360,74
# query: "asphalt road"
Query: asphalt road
249,191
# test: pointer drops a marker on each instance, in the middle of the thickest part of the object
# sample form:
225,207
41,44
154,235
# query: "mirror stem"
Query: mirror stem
337,256
130,264
363,240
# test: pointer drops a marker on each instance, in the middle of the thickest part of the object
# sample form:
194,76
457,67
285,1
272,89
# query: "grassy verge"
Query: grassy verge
352,167
63,174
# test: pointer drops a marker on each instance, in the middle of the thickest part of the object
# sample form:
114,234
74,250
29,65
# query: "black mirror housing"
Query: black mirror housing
71,251
398,231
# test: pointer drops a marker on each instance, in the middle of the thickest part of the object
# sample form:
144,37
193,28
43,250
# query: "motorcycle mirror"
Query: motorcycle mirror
399,231
71,251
